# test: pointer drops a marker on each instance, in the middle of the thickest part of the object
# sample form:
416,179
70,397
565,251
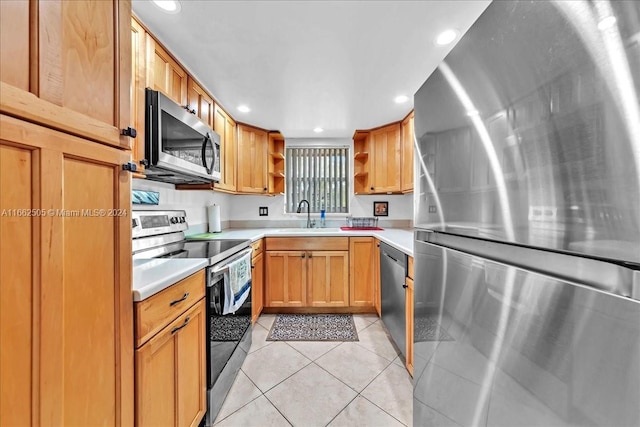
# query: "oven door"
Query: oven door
176,140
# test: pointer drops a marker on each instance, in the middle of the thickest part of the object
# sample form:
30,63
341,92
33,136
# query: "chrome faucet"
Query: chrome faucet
308,211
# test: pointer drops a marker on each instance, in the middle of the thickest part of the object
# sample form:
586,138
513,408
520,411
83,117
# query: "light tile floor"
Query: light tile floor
307,384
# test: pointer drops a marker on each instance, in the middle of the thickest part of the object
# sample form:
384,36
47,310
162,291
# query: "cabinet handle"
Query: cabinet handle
188,108
177,328
253,266
404,285
372,188
302,256
184,297
310,255
264,189
129,131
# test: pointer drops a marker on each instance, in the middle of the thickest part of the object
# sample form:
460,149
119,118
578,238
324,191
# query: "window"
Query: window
319,175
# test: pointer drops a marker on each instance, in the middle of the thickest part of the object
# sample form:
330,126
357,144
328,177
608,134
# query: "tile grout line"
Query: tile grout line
257,388
435,410
383,410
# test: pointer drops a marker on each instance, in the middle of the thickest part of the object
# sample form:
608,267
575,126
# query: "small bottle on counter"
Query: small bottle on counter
322,218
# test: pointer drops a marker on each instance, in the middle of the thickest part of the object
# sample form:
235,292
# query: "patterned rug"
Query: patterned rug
313,327
428,329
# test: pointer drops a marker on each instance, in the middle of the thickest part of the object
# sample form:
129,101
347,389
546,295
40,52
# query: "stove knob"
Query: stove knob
182,220
174,220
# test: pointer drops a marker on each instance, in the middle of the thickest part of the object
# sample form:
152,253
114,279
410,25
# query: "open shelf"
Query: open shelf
361,155
360,174
277,174
277,155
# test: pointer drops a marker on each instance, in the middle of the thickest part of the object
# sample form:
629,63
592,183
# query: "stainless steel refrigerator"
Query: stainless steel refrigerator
527,220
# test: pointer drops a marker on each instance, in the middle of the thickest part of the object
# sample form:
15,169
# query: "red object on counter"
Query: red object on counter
360,228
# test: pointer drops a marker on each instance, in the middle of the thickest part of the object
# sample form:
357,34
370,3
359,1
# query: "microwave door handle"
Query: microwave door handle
208,140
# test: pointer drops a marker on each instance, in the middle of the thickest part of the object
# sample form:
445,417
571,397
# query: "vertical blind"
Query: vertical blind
319,175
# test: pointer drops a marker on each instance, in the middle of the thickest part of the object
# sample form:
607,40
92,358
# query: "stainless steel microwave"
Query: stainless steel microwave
179,147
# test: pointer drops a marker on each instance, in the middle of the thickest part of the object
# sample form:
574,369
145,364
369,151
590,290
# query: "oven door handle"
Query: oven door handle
220,269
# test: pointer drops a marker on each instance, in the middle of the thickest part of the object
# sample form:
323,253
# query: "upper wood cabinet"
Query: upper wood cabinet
69,358
224,125
137,91
361,163
67,65
385,148
164,73
276,163
200,102
252,160
406,178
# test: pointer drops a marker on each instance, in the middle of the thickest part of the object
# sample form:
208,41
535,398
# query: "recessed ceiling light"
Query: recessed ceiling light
400,99
170,6
607,22
244,109
446,37
318,130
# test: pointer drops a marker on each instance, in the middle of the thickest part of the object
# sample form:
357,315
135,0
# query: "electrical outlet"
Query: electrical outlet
263,211
432,209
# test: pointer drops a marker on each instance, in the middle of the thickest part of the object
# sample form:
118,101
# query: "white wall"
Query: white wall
246,207
194,202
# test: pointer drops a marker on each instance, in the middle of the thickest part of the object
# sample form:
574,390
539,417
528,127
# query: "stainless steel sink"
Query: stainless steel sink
306,230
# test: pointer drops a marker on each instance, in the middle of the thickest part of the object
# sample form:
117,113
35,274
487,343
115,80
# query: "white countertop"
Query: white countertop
401,239
150,276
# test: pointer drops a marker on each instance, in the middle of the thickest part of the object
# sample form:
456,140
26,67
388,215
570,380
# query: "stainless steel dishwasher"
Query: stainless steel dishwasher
393,271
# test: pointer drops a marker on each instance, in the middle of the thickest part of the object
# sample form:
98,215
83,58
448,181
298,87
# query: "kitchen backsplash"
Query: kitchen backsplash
241,211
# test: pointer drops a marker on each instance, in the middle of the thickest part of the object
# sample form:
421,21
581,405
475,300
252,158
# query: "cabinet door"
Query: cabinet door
191,387
252,160
376,278
138,85
286,279
164,73
257,286
171,373
78,77
385,159
407,154
226,128
84,353
362,263
328,279
200,101
409,322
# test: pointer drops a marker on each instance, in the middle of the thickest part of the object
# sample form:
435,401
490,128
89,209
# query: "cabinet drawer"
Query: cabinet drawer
410,268
157,311
307,243
257,248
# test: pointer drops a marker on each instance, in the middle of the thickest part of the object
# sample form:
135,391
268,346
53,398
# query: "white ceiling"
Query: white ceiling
302,64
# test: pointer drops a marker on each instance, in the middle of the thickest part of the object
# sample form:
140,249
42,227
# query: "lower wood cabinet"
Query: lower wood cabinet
257,286
170,369
362,271
286,279
328,278
409,323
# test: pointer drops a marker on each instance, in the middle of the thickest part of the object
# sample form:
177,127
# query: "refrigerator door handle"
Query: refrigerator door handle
635,285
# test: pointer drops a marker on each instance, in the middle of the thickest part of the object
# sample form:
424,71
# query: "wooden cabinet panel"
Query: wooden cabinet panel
362,273
153,313
164,73
406,178
307,244
156,382
171,373
200,101
16,285
286,278
191,388
226,128
376,282
79,66
410,267
137,94
409,323
257,286
252,160
328,279
385,159
14,42
83,357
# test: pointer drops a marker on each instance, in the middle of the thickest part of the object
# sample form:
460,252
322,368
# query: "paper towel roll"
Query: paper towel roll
213,214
